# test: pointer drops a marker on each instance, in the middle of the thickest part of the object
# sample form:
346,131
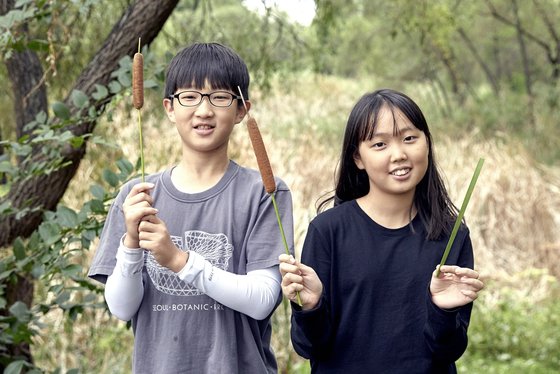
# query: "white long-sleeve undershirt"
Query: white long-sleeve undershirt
254,294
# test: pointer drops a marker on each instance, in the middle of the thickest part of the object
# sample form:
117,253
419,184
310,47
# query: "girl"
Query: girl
371,301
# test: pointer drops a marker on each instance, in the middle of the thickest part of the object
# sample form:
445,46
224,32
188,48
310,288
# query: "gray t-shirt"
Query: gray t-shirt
233,225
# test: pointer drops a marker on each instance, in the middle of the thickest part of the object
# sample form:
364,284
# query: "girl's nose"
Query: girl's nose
398,154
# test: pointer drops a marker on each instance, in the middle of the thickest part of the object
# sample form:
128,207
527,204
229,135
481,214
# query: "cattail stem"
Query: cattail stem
141,142
461,214
283,235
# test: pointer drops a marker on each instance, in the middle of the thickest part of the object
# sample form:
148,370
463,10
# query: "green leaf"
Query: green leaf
19,249
41,117
20,311
150,83
100,93
66,217
37,271
125,166
49,232
97,191
97,206
61,110
125,78
62,298
79,99
115,87
38,45
72,270
14,367
76,142
110,177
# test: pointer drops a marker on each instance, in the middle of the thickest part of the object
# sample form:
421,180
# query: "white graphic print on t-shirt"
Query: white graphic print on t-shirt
214,247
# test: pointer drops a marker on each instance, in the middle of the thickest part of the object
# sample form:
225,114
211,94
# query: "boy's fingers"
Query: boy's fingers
142,187
287,258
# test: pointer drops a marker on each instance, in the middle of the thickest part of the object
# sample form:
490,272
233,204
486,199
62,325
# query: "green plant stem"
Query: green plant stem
141,144
461,214
283,235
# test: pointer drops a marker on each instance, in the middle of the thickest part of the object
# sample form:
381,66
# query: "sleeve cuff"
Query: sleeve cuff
130,260
193,268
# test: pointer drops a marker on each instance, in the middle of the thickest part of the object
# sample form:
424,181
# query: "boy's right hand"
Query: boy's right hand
297,277
136,206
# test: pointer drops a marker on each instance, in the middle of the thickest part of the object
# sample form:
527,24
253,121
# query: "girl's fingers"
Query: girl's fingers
470,294
291,278
473,284
453,269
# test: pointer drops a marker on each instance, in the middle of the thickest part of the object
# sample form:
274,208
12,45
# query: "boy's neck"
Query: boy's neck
196,175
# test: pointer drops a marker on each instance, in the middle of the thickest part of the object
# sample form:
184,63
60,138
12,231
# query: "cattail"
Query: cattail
266,171
261,155
138,80
138,99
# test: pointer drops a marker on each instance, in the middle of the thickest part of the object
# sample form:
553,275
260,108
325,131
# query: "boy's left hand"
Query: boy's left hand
455,286
154,237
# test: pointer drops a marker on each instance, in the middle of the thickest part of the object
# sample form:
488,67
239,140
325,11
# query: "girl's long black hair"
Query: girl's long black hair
436,210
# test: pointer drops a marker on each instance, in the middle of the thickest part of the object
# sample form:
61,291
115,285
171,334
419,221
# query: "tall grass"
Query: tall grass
514,215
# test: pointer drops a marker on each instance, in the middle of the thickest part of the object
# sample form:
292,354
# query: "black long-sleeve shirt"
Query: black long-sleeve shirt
376,313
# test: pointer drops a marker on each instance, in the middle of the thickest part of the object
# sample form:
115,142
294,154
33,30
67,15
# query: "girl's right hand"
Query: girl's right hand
136,206
297,277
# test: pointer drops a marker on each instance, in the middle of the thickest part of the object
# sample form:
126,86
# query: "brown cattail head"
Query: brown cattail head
138,80
262,158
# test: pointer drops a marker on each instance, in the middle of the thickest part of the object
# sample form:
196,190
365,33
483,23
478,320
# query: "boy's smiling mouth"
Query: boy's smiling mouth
204,126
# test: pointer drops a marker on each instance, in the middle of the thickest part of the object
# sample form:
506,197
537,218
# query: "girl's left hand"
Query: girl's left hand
455,286
154,237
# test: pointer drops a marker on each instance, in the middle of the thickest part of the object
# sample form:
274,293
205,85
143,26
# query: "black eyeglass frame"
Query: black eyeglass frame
202,95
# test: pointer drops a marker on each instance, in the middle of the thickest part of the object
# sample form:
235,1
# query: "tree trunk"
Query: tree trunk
144,18
523,50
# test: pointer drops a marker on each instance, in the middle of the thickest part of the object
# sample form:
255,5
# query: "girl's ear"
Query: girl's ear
241,111
358,160
168,106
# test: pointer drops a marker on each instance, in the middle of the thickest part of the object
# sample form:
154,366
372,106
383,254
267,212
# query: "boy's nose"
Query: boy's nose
205,107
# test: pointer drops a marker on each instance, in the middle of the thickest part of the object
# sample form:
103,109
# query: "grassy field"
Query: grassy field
513,216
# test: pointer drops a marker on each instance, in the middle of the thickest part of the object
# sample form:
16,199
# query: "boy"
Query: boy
191,254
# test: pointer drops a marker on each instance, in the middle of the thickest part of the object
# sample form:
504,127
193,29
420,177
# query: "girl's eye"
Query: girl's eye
410,138
377,145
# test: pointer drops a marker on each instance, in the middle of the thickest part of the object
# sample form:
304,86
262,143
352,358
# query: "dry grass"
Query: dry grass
514,213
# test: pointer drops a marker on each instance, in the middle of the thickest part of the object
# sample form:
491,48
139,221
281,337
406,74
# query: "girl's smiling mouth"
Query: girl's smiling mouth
400,172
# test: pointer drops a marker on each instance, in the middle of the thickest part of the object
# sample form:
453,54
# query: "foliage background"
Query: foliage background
484,93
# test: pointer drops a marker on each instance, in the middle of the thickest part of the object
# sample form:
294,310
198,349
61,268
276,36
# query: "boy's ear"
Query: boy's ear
241,111
168,106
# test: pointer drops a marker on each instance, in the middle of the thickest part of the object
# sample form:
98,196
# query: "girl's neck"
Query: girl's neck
198,174
390,213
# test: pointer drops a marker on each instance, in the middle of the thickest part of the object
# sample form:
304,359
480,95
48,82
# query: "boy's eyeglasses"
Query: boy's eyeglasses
221,99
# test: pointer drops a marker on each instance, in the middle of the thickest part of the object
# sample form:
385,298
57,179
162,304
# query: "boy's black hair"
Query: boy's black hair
218,64
431,199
